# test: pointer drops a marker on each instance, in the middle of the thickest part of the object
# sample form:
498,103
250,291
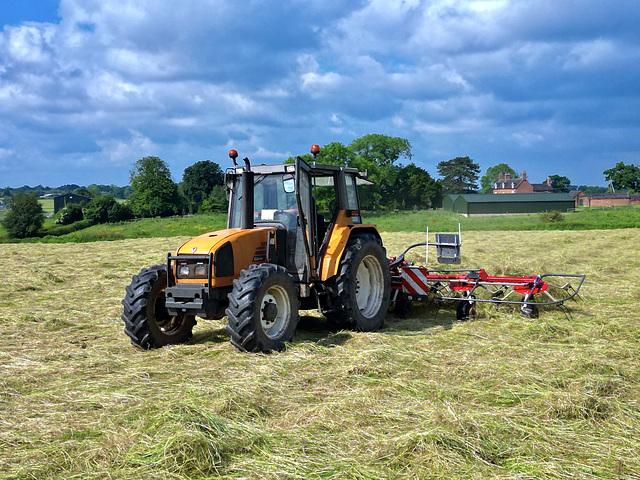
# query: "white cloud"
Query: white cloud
125,152
28,43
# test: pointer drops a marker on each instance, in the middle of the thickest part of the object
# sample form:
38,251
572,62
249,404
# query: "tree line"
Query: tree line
400,184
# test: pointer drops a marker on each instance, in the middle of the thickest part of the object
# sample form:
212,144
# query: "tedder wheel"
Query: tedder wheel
263,309
466,310
530,311
146,319
360,291
402,308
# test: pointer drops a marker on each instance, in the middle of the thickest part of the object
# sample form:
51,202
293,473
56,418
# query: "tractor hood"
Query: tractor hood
233,249
208,242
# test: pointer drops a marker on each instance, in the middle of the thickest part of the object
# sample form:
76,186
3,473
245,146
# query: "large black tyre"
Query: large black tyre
146,320
263,309
359,293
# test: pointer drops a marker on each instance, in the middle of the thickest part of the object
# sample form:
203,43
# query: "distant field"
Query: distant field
502,396
440,220
47,205
435,220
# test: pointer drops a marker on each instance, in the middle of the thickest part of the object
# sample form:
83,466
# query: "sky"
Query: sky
87,87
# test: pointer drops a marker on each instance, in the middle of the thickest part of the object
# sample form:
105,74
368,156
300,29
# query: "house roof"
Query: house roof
575,193
542,187
515,197
507,183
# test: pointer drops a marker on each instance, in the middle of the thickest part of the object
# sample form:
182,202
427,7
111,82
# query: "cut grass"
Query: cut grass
426,397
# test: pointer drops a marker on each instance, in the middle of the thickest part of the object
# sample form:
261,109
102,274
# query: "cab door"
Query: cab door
305,254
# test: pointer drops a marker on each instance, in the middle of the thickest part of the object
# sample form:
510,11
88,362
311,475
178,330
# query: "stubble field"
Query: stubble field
502,396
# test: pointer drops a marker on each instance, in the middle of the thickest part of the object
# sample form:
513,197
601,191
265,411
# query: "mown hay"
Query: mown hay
426,397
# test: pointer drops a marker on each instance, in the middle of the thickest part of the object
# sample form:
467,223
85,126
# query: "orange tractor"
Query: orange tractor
279,254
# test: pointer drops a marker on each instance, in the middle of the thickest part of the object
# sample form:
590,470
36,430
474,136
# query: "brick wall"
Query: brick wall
609,202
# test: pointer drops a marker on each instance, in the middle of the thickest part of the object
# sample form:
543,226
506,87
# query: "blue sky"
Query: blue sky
87,87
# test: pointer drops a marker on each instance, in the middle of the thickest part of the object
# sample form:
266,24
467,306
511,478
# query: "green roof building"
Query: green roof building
447,201
490,204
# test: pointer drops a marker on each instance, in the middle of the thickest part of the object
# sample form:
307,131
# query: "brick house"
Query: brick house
506,184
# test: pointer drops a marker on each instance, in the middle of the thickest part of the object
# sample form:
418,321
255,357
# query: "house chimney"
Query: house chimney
507,176
500,176
548,181
524,175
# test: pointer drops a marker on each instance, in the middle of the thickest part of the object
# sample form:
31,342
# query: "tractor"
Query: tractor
279,254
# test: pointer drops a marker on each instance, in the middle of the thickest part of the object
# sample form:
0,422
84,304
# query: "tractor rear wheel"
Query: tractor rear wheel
147,322
360,292
263,309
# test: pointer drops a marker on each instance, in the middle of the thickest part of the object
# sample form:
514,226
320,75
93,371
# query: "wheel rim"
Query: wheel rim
275,311
369,286
167,324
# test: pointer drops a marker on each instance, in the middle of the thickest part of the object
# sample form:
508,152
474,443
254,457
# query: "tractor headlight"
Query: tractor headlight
200,271
183,271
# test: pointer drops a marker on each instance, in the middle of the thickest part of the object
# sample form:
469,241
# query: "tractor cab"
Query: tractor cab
304,204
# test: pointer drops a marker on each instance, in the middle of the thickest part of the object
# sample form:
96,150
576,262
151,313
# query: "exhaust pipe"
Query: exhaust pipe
246,184
247,194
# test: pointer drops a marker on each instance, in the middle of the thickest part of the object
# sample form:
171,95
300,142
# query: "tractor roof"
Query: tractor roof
317,170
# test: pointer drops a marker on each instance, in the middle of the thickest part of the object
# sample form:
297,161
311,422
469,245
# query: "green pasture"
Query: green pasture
403,221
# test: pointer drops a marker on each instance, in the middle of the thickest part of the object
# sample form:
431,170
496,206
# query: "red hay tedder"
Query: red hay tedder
468,287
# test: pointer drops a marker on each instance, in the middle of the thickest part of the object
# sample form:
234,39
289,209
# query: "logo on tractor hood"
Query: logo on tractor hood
194,249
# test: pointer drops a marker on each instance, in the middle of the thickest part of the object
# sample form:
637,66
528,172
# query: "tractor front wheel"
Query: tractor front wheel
360,292
263,309
147,322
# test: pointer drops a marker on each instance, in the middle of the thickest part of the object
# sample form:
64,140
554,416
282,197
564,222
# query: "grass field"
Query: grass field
502,396
47,205
436,221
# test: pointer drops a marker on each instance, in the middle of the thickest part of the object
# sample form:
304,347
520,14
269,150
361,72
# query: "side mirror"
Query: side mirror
289,185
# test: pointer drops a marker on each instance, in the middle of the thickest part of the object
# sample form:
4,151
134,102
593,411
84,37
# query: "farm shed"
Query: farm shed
61,201
476,204
610,200
447,201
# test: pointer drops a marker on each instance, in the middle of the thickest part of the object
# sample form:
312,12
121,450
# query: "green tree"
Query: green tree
377,154
491,176
459,175
106,209
155,194
374,153
216,201
560,183
94,190
415,188
198,181
25,217
70,214
624,177
84,191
